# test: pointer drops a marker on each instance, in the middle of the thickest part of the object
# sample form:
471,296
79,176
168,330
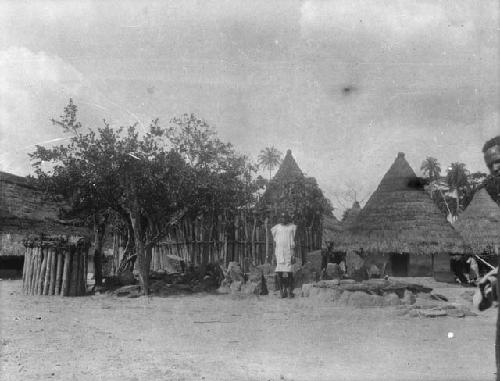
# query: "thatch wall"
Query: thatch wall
479,224
401,218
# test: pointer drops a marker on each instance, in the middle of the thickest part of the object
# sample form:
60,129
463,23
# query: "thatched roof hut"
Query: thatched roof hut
332,228
401,218
288,170
25,210
287,186
300,196
351,215
479,224
277,196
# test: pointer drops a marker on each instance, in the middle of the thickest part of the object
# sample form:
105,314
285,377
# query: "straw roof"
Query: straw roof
288,173
479,224
400,217
351,215
288,170
332,228
277,196
26,210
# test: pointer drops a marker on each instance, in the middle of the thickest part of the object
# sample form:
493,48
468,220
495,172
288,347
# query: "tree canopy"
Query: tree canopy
457,176
149,180
431,167
453,193
270,158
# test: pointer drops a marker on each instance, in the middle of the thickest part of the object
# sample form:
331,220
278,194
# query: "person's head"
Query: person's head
284,218
491,151
281,218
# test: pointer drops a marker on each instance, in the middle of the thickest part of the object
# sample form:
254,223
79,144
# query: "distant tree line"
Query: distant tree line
451,193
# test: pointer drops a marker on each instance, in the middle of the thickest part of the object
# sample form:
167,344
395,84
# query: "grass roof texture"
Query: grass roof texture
332,229
351,215
292,192
479,224
288,170
15,225
25,210
400,217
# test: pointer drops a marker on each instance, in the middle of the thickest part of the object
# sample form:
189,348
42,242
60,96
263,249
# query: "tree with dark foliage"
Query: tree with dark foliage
431,167
270,158
85,171
150,181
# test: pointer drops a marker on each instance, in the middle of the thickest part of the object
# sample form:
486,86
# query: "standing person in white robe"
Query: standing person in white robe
284,239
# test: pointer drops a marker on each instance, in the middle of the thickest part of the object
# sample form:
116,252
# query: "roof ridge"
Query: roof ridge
288,168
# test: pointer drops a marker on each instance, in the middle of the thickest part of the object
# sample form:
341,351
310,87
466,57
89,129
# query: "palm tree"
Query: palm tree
457,180
270,158
431,167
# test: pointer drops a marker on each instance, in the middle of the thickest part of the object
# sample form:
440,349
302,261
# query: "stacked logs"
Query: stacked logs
55,266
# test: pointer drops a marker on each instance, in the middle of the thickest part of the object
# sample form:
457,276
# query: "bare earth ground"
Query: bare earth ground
223,337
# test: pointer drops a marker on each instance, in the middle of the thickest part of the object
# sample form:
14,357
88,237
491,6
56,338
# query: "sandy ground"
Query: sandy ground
223,337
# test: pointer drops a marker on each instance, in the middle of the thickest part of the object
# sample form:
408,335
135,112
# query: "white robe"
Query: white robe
474,268
284,238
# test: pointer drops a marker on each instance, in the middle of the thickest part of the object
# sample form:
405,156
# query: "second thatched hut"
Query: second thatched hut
401,229
28,219
350,215
479,226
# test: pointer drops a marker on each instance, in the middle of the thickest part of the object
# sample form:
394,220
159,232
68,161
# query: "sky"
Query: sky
344,84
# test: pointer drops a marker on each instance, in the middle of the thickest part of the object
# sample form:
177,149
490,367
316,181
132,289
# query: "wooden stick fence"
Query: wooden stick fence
55,267
246,239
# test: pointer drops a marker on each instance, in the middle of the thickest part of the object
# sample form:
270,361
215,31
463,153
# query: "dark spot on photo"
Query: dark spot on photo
347,90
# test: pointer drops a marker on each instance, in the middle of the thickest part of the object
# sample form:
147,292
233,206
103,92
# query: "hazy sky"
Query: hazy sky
344,84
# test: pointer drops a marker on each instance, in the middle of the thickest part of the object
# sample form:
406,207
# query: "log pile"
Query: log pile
55,266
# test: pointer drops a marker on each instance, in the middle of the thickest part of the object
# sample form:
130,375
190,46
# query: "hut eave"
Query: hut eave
403,243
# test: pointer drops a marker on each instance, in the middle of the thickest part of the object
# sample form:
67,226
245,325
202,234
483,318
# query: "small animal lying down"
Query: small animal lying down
486,293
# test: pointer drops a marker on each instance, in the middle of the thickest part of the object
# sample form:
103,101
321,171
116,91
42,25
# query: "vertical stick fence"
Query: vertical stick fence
246,238
55,266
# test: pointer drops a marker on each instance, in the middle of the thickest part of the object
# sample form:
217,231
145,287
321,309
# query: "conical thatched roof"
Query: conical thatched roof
332,228
351,215
400,217
288,170
479,224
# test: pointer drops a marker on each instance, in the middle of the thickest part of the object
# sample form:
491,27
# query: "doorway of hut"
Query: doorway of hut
400,264
11,266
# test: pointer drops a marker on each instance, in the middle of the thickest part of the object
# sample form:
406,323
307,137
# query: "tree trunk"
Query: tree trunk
99,234
129,247
140,248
